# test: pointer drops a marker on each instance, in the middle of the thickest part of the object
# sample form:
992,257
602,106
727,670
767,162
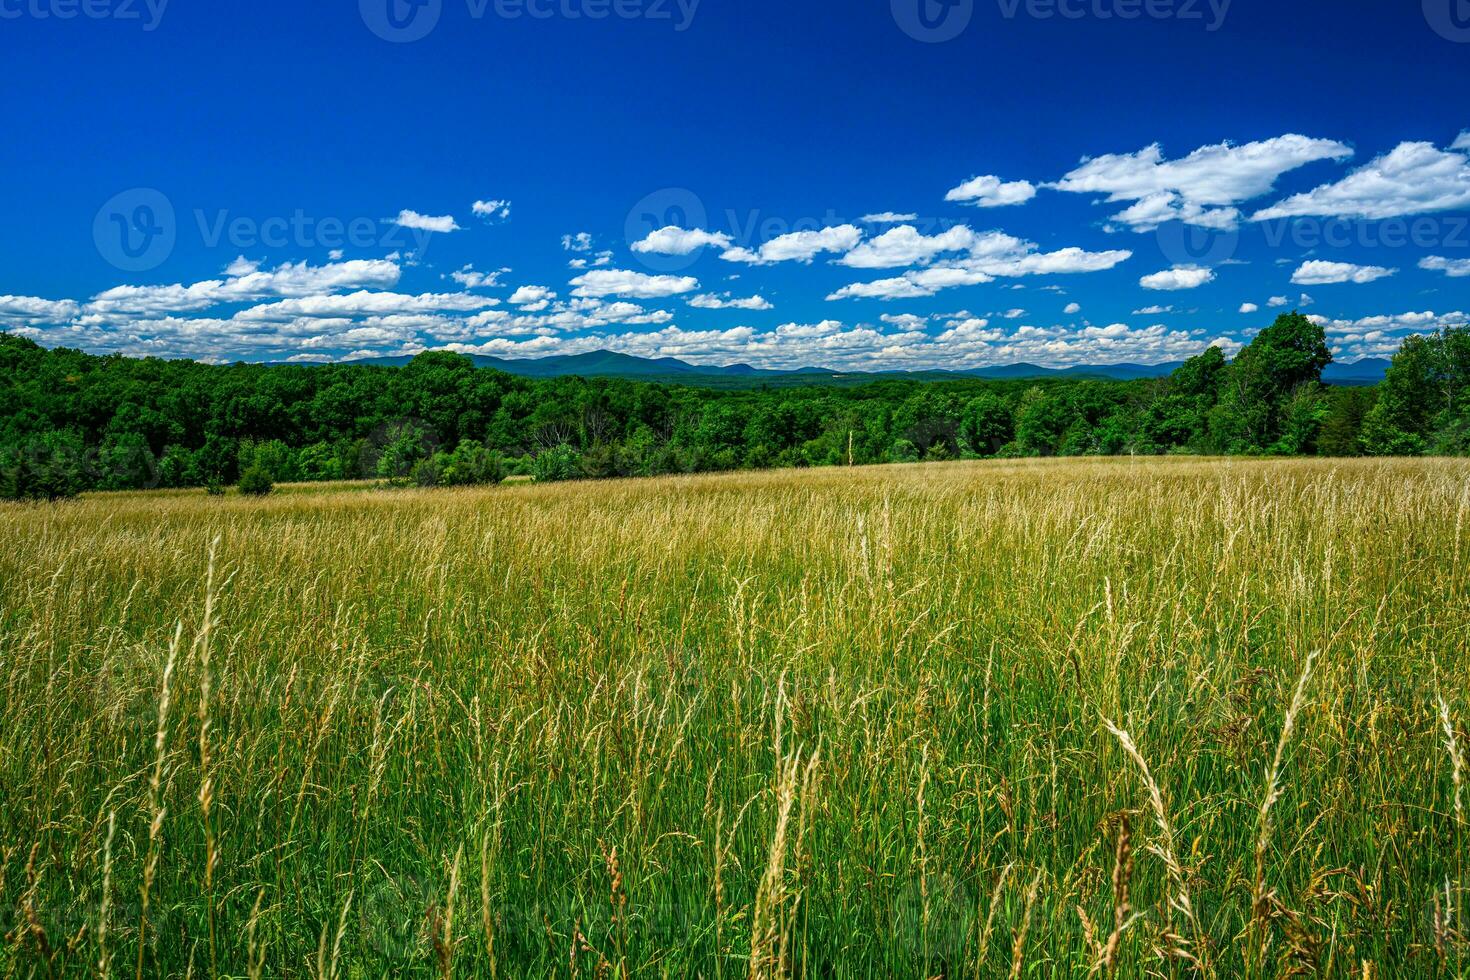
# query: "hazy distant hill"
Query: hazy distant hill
609,364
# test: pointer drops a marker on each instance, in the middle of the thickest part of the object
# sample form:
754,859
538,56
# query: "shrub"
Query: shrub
50,467
556,465
256,482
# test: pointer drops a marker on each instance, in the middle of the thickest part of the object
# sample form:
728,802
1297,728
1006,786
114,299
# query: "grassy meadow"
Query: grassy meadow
1024,719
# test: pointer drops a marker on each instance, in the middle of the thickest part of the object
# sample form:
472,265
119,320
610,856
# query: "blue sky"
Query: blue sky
875,184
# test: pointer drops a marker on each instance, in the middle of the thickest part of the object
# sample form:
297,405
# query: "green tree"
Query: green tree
1249,416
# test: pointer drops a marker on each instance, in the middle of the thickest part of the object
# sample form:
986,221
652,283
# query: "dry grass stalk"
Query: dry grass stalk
1260,896
1197,952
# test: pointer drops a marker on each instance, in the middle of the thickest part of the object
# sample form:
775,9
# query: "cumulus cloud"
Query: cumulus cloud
991,256
33,309
1179,277
471,279
798,246
1153,310
247,285
888,218
532,298
424,222
580,242
992,192
1318,273
365,303
711,301
1072,308
1382,335
1454,268
492,210
905,246
674,240
1249,308
1413,178
621,282
1200,189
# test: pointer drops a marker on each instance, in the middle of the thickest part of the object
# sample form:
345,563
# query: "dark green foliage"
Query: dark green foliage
50,466
1424,403
1283,360
256,482
556,465
76,422
987,424
1342,430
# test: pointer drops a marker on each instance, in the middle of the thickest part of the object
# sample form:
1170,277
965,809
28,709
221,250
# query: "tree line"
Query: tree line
71,422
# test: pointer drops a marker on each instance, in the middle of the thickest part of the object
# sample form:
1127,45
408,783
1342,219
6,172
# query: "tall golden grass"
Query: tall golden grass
905,721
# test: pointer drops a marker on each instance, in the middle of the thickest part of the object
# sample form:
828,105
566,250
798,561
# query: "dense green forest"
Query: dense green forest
70,421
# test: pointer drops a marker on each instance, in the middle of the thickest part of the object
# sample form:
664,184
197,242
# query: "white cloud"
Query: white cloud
1412,178
1153,310
799,246
1072,308
470,279
905,246
491,210
908,322
1319,273
1454,268
37,310
299,279
1199,189
1278,301
1249,308
620,282
992,192
991,256
364,303
1381,336
710,301
1179,277
532,298
1013,314
424,222
888,218
580,242
674,240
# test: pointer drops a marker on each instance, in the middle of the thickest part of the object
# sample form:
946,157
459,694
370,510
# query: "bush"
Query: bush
256,482
50,467
556,465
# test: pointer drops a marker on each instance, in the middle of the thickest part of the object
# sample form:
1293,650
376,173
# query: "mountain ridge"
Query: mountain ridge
612,364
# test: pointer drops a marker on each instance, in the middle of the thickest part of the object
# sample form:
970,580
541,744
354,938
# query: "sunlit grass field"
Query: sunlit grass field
963,720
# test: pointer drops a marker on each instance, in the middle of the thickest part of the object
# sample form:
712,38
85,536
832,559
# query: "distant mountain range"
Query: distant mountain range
608,364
